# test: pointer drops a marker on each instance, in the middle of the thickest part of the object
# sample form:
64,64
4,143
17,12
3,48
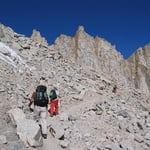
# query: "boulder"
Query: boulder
3,139
27,130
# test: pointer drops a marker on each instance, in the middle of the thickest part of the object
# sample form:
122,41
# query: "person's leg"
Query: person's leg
42,120
36,113
52,107
56,107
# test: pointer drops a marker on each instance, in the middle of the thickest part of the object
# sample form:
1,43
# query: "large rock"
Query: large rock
56,129
3,139
28,130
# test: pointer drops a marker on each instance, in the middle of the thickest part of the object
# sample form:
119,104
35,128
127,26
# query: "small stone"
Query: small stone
3,139
64,144
120,117
138,139
63,117
147,136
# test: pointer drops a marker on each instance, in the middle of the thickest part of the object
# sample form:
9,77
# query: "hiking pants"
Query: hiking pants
54,107
40,114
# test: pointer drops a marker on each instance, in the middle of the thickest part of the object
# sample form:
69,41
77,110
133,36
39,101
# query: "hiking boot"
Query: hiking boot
51,115
44,136
40,127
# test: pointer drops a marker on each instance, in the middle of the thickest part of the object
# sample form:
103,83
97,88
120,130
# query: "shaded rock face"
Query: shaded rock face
139,64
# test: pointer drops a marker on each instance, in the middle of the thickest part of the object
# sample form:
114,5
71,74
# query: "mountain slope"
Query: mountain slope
100,105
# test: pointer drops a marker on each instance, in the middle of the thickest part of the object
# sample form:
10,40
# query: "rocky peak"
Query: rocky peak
92,53
8,33
102,56
1,31
80,28
36,36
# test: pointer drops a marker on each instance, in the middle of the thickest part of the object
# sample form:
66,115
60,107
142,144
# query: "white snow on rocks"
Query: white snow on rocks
11,57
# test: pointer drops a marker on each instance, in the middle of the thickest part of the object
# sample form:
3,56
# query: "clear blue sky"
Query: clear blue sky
124,23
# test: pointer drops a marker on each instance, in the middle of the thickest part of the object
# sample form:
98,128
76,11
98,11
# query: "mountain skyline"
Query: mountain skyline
124,24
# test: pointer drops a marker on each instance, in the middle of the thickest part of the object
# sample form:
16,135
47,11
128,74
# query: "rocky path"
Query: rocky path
82,113
50,144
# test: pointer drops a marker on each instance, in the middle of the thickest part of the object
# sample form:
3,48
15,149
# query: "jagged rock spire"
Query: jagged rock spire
36,36
81,28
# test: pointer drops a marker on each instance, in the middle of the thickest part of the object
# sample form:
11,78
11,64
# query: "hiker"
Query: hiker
40,100
54,106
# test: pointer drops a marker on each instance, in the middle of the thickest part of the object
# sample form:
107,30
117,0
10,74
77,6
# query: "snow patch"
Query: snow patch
11,57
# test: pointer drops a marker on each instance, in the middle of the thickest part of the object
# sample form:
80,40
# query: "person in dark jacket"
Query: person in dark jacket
40,100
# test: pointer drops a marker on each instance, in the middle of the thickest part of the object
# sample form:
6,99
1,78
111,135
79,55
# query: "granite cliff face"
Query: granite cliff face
100,55
139,64
105,99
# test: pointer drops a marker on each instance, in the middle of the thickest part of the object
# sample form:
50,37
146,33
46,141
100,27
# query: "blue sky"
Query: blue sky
124,23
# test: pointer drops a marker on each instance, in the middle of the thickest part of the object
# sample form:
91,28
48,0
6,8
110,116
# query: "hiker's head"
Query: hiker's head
55,88
43,80
41,88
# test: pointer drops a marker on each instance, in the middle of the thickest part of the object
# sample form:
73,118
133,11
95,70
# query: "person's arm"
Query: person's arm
33,96
32,99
